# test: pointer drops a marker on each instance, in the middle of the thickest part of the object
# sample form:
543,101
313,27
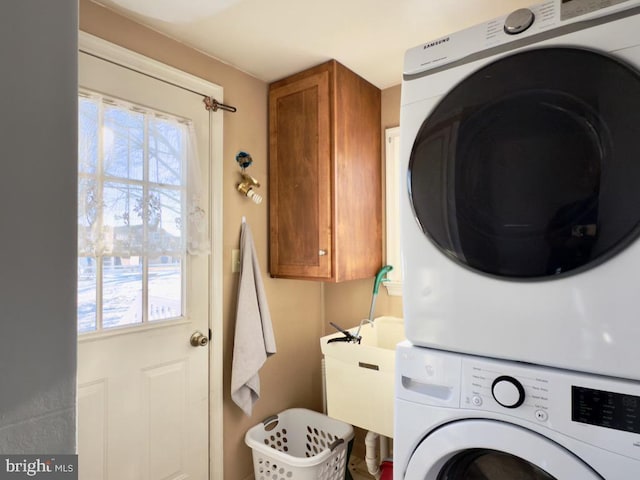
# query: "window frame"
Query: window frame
392,211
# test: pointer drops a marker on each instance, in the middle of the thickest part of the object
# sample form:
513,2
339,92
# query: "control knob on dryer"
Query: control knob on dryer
508,391
518,21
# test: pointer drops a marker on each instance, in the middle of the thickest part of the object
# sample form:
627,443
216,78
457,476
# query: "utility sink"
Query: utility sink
359,378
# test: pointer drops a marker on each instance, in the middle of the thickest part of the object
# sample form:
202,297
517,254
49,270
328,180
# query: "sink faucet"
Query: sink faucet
362,322
380,277
348,336
355,338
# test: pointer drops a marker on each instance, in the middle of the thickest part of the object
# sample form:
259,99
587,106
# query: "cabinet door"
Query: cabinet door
299,178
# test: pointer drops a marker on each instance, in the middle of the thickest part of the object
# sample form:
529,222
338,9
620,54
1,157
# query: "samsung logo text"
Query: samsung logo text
435,43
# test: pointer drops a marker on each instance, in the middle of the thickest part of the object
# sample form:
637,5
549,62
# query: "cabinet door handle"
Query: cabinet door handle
322,253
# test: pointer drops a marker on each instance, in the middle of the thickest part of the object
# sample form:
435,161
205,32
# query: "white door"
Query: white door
143,389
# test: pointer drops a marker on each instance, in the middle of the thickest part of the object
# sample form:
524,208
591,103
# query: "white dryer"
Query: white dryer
460,417
520,213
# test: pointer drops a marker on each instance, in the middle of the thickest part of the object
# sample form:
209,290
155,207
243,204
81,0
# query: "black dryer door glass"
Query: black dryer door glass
530,167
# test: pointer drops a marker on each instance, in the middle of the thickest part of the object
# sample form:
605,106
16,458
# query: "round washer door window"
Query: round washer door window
530,167
482,464
492,450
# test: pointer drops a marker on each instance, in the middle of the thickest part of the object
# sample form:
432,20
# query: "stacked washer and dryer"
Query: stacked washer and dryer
520,215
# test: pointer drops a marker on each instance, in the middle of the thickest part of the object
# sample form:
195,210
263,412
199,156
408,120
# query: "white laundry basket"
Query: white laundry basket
299,444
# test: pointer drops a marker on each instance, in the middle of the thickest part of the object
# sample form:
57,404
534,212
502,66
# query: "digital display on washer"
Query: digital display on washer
605,409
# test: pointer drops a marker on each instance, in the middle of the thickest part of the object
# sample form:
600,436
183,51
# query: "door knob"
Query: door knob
199,340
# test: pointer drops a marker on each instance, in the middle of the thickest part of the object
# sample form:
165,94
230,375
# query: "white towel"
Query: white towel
254,340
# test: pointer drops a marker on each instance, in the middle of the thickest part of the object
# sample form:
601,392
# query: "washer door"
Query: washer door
528,168
493,450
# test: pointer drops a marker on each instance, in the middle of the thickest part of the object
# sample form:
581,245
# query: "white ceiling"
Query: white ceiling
271,39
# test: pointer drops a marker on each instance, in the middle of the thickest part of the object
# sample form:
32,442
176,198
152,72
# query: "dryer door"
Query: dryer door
492,450
528,169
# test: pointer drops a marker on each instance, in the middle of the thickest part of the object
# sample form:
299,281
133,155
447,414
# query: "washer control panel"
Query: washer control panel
508,391
598,410
505,391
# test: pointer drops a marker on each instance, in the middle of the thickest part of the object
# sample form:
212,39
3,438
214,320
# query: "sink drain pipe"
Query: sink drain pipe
371,456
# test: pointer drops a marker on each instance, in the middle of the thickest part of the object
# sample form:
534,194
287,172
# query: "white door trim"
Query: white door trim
114,53
392,209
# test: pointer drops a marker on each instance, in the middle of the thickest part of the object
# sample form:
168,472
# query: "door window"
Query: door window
528,168
131,215
480,464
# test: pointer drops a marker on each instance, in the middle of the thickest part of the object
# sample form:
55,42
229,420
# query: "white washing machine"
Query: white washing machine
460,417
520,213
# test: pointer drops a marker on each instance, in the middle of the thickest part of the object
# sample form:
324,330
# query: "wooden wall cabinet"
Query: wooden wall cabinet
325,198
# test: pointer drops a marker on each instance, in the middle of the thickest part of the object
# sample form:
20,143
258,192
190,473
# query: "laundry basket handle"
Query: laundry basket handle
270,422
335,443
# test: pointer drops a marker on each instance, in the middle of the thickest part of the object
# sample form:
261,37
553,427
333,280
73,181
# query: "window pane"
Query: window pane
123,143
165,288
87,135
122,218
122,291
165,223
165,151
86,294
88,210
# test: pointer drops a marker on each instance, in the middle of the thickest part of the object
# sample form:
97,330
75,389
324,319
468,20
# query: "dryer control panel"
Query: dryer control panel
576,8
598,410
533,23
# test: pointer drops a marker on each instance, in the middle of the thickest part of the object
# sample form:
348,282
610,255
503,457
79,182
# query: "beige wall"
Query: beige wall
347,303
292,376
